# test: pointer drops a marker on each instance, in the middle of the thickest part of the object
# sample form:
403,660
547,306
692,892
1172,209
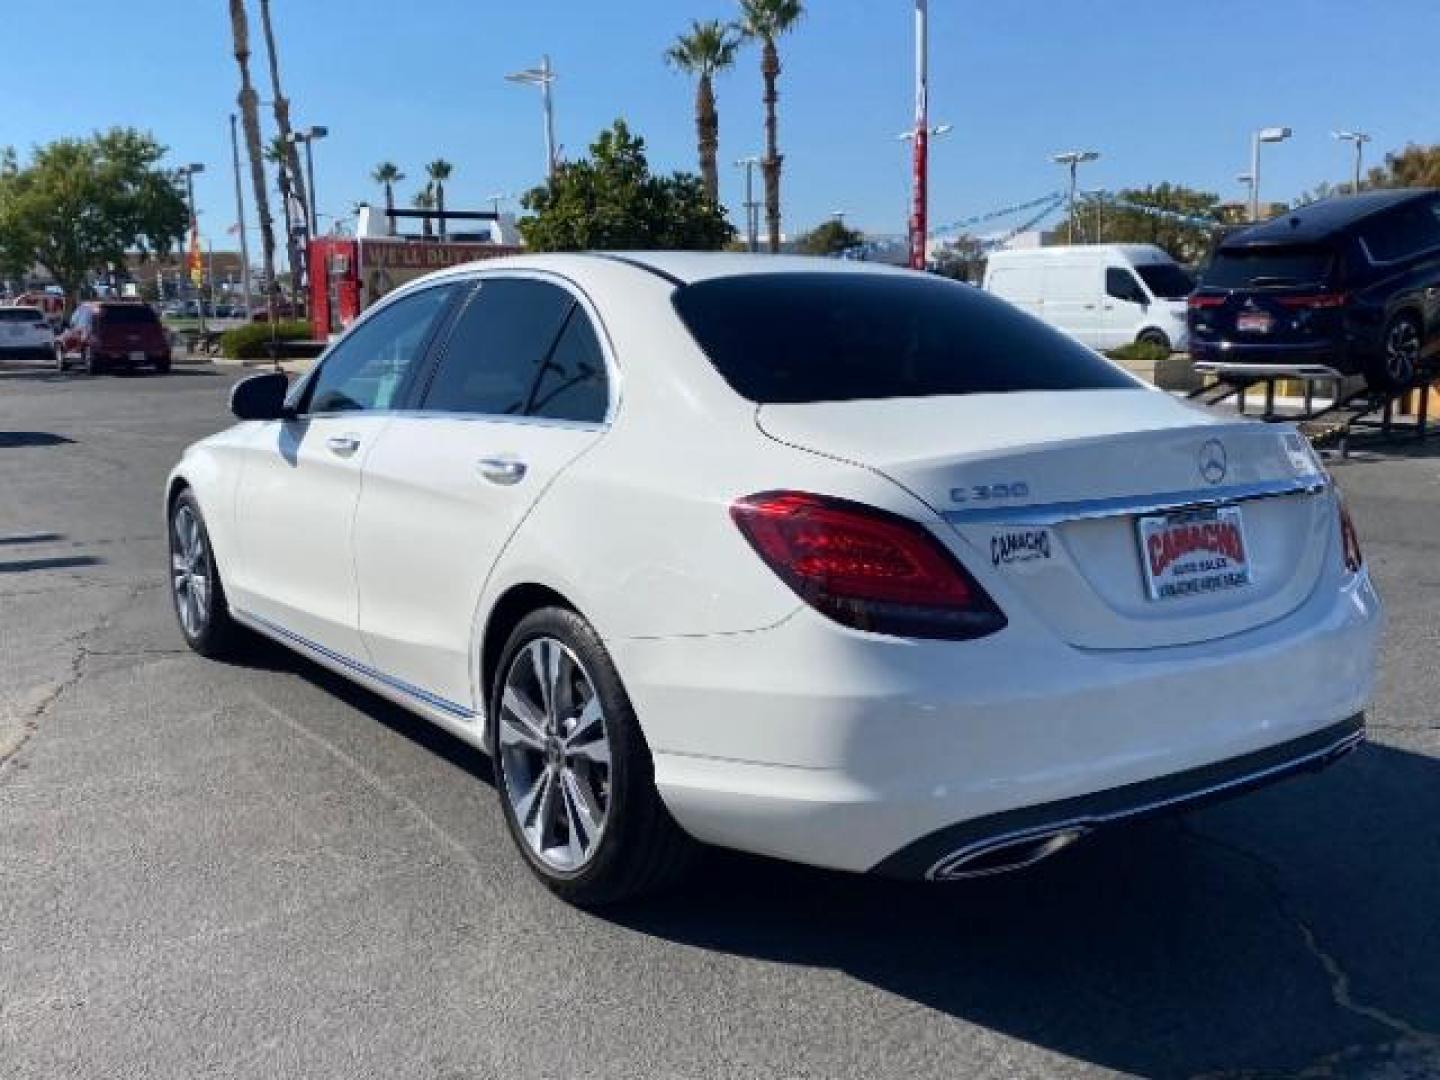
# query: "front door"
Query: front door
300,483
1123,311
520,390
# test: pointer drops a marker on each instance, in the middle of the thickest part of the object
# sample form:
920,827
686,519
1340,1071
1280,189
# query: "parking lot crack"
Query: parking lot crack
32,716
1340,983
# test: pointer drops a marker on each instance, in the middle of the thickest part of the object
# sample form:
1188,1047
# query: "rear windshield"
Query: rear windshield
127,315
1262,267
847,337
1166,280
21,314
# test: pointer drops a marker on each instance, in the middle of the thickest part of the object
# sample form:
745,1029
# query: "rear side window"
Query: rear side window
850,337
522,348
1400,233
1266,266
127,315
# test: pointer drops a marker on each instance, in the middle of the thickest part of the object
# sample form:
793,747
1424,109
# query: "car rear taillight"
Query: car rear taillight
866,568
1195,301
1349,540
1316,302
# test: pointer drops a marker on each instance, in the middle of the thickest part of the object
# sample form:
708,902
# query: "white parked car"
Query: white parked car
26,334
785,555
1103,295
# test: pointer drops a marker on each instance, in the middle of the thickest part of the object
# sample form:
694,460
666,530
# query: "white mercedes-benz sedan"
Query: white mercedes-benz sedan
826,561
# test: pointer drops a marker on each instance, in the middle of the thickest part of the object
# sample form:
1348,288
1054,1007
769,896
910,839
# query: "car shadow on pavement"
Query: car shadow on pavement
1267,933
59,562
15,440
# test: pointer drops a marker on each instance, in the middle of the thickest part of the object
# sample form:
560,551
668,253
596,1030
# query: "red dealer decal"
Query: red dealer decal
1215,537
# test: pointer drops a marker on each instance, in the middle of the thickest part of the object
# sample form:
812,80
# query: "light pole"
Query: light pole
307,137
188,172
1264,135
543,77
752,208
240,217
1359,138
919,193
1073,159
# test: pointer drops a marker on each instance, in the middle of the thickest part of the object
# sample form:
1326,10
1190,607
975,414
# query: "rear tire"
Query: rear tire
572,770
196,589
1399,357
162,367
92,363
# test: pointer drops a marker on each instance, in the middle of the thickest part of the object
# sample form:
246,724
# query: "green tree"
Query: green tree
387,174
1103,221
81,204
611,200
831,238
766,21
424,199
1415,166
278,153
708,49
439,171
961,258
249,103
281,104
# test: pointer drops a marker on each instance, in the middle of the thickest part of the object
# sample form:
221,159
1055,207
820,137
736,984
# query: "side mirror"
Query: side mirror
261,397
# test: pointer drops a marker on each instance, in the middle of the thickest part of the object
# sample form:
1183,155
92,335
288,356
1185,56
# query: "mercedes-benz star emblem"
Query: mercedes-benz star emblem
1213,465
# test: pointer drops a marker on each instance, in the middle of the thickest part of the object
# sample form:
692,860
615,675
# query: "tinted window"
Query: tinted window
846,337
522,348
127,315
1402,232
21,314
1258,267
1166,280
368,368
1121,284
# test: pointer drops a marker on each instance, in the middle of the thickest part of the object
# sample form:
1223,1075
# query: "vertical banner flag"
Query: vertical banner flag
194,262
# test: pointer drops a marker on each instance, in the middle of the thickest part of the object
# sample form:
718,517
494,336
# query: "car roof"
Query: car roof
1324,219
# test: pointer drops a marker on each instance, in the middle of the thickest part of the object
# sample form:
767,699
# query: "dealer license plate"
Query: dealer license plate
1254,322
1194,552
137,357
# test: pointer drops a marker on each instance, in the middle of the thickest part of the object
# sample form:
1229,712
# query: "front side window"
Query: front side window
1121,285
522,348
806,337
369,368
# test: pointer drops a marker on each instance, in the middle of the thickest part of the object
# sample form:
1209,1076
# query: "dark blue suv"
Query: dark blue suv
1348,285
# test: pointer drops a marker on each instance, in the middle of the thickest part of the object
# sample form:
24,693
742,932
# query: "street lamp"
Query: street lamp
1264,135
752,208
543,77
1073,160
307,137
920,190
1359,138
188,173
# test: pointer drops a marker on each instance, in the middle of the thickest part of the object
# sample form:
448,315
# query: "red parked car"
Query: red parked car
104,335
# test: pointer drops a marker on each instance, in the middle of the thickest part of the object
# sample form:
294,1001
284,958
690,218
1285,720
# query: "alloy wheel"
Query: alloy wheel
190,571
555,750
1402,351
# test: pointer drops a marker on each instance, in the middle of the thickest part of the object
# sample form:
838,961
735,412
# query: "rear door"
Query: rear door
1021,283
300,482
520,389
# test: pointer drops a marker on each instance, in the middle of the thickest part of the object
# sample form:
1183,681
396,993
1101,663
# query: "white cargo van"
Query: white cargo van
1106,295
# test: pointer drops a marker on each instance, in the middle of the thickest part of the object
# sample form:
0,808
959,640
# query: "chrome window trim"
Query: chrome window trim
1057,513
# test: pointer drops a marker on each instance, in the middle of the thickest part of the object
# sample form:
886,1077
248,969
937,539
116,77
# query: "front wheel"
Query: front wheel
1154,337
1399,358
195,586
573,772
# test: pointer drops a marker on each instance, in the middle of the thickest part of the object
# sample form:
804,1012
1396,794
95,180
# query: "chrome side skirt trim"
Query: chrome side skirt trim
951,866
289,637
1160,502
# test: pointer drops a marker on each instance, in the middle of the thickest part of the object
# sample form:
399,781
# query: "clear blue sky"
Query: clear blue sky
1164,91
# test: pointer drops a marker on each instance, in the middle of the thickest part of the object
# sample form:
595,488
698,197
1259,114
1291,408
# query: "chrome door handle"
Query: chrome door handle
498,470
343,445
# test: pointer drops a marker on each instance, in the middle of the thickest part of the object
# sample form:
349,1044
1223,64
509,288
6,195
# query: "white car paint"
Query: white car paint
773,728
1066,286
25,332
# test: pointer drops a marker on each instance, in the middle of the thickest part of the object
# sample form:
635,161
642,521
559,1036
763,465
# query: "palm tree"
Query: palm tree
281,106
277,153
250,119
424,199
708,49
765,21
439,171
387,174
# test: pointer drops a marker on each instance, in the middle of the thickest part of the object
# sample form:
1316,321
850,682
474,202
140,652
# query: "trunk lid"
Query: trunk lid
1045,493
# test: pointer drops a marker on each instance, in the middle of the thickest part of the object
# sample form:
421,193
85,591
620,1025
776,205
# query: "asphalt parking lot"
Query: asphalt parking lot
259,870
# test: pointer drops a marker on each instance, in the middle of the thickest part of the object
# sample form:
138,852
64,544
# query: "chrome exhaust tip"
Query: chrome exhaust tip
1004,855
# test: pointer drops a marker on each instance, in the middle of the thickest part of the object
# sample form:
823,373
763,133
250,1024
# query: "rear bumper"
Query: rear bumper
1320,358
27,352
820,745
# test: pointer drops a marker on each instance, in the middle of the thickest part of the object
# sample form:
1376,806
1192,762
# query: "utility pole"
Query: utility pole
240,217
919,225
752,208
1073,159
1359,138
543,77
